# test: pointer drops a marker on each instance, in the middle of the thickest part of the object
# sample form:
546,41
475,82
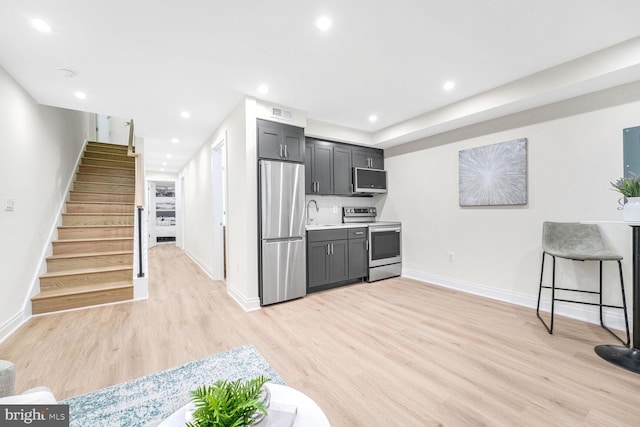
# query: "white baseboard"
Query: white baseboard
612,318
11,325
140,288
247,304
199,264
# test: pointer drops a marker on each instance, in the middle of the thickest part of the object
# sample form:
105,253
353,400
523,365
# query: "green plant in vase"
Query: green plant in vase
228,403
628,187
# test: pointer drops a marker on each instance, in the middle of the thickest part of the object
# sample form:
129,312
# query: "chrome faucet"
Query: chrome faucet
309,220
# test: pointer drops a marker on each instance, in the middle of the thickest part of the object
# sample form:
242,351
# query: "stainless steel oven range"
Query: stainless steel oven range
384,242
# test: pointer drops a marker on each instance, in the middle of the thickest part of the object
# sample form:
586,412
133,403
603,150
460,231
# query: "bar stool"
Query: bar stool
578,242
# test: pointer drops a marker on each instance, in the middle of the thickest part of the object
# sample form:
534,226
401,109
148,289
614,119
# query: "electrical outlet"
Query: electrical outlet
8,205
335,209
452,256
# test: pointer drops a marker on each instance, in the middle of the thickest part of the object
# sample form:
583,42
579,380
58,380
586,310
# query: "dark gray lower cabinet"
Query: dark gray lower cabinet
335,256
357,258
327,262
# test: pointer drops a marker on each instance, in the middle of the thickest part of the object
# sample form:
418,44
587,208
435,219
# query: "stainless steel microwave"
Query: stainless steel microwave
369,181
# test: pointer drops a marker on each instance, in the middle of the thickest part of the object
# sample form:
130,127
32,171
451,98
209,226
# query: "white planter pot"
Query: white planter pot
631,209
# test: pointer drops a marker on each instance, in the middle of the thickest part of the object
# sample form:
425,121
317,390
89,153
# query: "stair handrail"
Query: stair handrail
131,152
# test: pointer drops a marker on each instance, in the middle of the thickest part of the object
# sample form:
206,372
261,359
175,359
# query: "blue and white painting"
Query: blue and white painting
494,175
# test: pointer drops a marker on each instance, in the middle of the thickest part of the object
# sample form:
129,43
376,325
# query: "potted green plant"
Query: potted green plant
630,189
228,403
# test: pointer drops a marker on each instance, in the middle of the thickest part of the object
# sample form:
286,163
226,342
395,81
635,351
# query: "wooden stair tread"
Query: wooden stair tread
111,168
96,214
102,194
85,271
89,254
108,183
104,174
74,202
94,239
94,226
82,289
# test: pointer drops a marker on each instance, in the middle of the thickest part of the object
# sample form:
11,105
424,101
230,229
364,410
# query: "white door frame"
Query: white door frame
181,216
219,186
151,213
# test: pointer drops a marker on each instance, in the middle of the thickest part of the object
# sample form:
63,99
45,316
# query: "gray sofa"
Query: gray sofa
8,388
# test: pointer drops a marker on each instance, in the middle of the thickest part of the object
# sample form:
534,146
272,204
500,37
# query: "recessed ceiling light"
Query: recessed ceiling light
168,156
81,95
161,169
263,89
175,140
164,163
448,85
40,25
373,118
324,23
185,114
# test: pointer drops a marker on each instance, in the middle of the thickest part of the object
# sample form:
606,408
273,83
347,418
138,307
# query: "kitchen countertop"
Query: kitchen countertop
313,227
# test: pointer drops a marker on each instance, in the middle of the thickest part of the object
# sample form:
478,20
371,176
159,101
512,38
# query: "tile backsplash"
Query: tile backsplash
326,215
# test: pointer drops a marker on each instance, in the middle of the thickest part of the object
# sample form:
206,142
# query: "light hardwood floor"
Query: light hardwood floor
392,353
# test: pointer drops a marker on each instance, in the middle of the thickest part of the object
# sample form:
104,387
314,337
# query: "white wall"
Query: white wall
339,133
242,256
40,147
571,161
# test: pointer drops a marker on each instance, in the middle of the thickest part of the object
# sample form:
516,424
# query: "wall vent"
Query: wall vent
281,114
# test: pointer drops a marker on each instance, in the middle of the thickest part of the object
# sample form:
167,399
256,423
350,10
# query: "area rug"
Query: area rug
146,401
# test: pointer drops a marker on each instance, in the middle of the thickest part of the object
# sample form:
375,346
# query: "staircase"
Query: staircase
92,261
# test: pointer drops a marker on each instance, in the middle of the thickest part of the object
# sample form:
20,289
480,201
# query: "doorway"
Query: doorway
219,186
162,212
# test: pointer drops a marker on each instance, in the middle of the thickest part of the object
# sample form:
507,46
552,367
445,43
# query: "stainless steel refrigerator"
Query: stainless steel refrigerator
282,232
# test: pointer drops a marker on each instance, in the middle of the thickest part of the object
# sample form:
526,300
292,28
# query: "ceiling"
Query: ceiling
150,60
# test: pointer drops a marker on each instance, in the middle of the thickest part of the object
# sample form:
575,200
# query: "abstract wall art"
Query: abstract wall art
494,175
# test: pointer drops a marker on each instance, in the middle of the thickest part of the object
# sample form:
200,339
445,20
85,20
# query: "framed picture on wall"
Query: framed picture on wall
493,175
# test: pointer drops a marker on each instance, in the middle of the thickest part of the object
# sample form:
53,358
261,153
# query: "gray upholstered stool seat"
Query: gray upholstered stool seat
578,242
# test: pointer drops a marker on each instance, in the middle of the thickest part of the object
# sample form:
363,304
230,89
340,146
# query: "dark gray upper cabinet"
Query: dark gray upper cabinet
280,141
329,166
372,158
342,175
319,162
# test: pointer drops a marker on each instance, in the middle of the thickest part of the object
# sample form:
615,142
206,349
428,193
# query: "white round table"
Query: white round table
308,413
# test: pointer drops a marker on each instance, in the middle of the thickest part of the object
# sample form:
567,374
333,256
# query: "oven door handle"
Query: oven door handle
381,229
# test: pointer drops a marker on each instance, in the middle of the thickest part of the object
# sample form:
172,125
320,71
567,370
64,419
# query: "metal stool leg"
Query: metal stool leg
624,307
553,286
